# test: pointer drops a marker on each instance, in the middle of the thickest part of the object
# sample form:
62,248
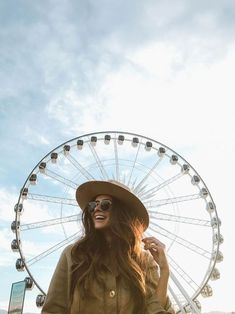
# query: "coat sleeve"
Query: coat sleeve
153,305
57,298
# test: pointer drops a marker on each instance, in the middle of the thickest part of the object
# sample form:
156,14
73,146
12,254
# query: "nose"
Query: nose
97,207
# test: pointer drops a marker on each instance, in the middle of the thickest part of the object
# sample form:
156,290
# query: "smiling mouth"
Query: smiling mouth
99,217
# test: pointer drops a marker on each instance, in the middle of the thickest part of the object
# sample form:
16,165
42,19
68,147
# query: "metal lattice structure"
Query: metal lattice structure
182,212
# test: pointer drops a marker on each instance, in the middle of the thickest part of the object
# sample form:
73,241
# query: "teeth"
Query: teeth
99,217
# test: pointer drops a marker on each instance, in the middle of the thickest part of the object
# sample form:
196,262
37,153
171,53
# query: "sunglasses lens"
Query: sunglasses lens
106,205
91,206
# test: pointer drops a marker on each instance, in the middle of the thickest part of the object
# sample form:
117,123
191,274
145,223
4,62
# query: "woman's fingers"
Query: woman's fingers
152,242
157,249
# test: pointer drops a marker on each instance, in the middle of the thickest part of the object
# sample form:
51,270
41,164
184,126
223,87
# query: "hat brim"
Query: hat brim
89,190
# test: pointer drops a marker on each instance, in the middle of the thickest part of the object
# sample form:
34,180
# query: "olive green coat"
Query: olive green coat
113,297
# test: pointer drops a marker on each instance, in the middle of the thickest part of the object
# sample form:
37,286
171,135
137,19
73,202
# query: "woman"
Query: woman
107,270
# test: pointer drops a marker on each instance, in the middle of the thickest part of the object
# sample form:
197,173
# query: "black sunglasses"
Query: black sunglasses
104,205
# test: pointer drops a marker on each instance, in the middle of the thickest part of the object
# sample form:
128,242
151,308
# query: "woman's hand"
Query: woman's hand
157,249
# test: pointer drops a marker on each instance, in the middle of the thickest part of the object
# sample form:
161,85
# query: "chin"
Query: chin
101,227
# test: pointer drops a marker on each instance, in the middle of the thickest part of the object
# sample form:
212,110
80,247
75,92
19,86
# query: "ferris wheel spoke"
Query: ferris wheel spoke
178,302
52,249
171,200
140,188
181,219
52,199
133,165
80,168
152,192
50,222
60,179
116,160
185,294
98,161
187,244
179,270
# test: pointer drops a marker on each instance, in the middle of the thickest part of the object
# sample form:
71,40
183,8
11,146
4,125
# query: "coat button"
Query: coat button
112,293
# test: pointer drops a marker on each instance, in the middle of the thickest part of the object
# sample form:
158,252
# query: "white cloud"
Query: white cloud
8,201
193,100
7,256
35,212
76,114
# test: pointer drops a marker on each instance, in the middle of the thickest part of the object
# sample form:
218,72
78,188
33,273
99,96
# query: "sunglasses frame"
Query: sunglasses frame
93,204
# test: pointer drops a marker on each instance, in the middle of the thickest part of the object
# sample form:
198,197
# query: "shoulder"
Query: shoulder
66,255
68,249
73,253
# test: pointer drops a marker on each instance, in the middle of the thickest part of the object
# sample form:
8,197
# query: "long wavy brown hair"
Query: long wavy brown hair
88,253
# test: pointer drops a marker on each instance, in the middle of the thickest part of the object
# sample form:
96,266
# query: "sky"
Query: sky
162,69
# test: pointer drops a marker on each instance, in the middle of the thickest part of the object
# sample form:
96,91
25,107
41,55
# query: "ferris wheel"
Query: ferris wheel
182,212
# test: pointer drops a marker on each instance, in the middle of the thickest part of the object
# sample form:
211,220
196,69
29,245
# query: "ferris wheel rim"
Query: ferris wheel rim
17,217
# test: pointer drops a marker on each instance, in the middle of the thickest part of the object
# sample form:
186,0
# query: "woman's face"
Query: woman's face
101,217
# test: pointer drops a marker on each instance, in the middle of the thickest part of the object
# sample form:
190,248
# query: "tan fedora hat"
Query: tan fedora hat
89,190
